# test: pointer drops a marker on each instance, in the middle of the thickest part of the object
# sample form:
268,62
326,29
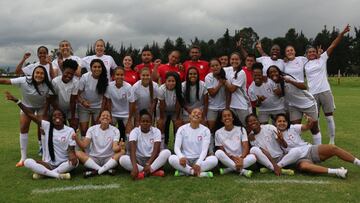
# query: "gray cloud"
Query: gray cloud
28,24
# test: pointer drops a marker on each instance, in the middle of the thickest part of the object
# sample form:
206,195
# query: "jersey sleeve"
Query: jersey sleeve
240,79
178,142
18,81
157,135
130,95
244,137
116,134
218,141
133,135
72,142
209,82
75,89
27,70
251,93
161,93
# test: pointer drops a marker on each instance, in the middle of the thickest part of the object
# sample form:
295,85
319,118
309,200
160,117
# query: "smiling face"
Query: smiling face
65,48
195,116
39,75
96,69
192,75
42,54
258,77
174,57
281,123
275,52
311,53
127,61
195,54
68,75
235,60
105,118
215,66
146,56
227,118
57,118
253,124
290,52
145,123
145,76
170,83
99,47
119,75
224,60
274,74
249,62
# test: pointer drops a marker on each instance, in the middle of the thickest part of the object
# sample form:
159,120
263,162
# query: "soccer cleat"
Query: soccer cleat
37,176
264,170
247,173
112,172
341,172
64,176
140,176
288,172
221,171
208,174
20,164
91,173
158,173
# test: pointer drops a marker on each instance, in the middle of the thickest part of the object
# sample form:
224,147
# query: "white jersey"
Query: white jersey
88,84
55,63
218,102
102,140
29,69
64,91
61,141
231,140
120,98
141,95
194,102
30,97
145,141
192,143
108,62
266,61
295,68
272,101
316,74
292,136
267,140
297,97
169,96
239,98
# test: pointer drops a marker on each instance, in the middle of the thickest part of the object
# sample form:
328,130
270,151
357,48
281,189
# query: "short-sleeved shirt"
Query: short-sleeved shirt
272,101
61,142
292,136
164,68
131,77
141,95
64,91
30,97
218,102
316,74
231,140
194,102
108,62
169,96
88,84
102,140
266,139
29,69
145,141
120,99
297,97
295,68
239,98
266,61
139,67
202,67
55,63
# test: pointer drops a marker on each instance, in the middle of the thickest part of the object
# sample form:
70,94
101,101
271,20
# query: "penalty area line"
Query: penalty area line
303,182
75,188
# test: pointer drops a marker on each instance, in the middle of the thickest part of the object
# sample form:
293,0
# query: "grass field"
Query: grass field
17,185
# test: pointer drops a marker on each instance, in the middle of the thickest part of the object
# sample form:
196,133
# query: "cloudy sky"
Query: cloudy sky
26,24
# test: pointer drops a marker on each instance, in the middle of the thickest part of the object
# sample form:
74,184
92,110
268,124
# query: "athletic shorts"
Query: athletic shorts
312,155
84,113
212,114
326,101
297,113
264,116
142,160
241,114
100,160
36,111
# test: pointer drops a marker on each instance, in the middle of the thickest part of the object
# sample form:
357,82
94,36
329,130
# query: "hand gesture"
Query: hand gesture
261,98
157,62
10,97
74,136
85,104
346,29
26,55
258,45
197,169
319,50
239,43
181,67
182,162
48,59
147,168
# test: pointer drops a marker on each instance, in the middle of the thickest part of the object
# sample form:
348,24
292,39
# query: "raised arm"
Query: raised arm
243,51
18,69
259,48
337,40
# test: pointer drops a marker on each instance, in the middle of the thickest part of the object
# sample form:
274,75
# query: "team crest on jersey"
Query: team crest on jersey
63,139
109,139
201,67
151,141
124,95
199,138
133,77
291,137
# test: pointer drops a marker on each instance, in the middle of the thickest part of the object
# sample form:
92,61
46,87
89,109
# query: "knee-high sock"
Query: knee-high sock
91,164
209,163
331,128
261,158
160,160
108,165
291,157
39,169
174,162
317,138
249,160
64,167
125,162
23,145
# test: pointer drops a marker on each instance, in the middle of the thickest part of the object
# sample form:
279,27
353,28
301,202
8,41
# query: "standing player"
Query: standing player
191,146
224,60
202,66
146,157
65,52
294,65
172,66
316,74
146,58
131,76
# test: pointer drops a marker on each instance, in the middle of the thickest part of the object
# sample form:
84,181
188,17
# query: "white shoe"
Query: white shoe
37,176
341,172
65,176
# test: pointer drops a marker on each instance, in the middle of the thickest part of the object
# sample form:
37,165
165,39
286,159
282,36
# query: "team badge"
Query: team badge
151,141
201,67
63,139
199,138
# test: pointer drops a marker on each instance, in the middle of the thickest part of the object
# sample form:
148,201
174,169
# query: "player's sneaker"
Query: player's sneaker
288,172
112,172
208,174
247,173
20,164
221,171
64,176
37,176
264,170
141,175
341,172
88,174
158,173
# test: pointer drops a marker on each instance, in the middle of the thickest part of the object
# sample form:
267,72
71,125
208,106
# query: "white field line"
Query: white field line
303,182
73,188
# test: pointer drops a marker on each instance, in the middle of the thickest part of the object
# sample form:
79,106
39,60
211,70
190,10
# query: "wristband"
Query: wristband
18,102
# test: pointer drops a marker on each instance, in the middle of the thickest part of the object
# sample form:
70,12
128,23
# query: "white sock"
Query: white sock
209,163
331,128
317,138
174,162
91,164
125,162
64,167
291,157
224,159
203,174
357,161
332,170
108,165
249,160
40,169
160,160
261,158
243,171
24,139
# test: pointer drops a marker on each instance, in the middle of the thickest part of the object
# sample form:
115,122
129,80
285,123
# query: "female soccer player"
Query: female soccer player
100,54
146,158
316,74
34,92
92,87
272,60
309,155
300,101
65,52
104,147
131,76
58,147
191,146
195,94
294,65
232,140
171,102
